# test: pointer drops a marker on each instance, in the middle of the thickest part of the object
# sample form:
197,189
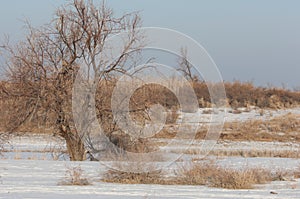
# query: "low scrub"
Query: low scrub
74,176
202,173
281,129
239,94
133,170
125,177
212,175
251,153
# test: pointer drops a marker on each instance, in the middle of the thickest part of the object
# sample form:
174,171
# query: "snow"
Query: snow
33,165
229,116
39,179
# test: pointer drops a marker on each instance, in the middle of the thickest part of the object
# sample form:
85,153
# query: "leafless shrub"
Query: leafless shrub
210,174
117,176
244,94
197,174
136,170
235,179
74,176
206,173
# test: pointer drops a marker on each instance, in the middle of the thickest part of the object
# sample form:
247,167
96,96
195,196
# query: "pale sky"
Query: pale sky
257,40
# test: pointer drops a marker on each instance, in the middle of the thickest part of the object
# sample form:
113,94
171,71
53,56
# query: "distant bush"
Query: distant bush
246,94
239,94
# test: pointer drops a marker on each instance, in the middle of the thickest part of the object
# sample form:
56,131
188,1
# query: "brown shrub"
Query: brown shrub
116,176
242,94
216,176
206,173
281,128
74,176
239,94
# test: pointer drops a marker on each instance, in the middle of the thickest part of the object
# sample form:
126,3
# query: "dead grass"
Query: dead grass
74,176
284,128
239,94
248,153
202,173
169,131
116,176
134,172
212,175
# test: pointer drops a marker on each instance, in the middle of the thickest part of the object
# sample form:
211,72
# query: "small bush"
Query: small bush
240,179
125,177
206,173
75,176
212,175
135,171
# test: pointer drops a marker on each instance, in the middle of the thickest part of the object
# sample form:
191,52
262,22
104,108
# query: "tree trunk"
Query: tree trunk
75,145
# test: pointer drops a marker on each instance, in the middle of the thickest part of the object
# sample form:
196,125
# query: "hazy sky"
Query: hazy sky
254,40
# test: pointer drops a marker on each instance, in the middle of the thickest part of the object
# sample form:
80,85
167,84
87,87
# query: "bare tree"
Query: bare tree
42,68
185,67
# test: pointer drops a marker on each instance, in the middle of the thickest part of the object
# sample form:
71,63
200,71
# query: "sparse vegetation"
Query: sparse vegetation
282,129
38,96
74,176
125,177
212,175
247,153
206,173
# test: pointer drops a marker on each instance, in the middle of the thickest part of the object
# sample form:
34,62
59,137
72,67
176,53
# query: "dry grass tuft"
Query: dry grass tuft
212,175
206,173
125,177
135,170
75,176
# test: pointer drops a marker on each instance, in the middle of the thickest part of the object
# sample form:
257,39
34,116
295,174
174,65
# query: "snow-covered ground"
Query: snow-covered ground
33,165
39,179
205,114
